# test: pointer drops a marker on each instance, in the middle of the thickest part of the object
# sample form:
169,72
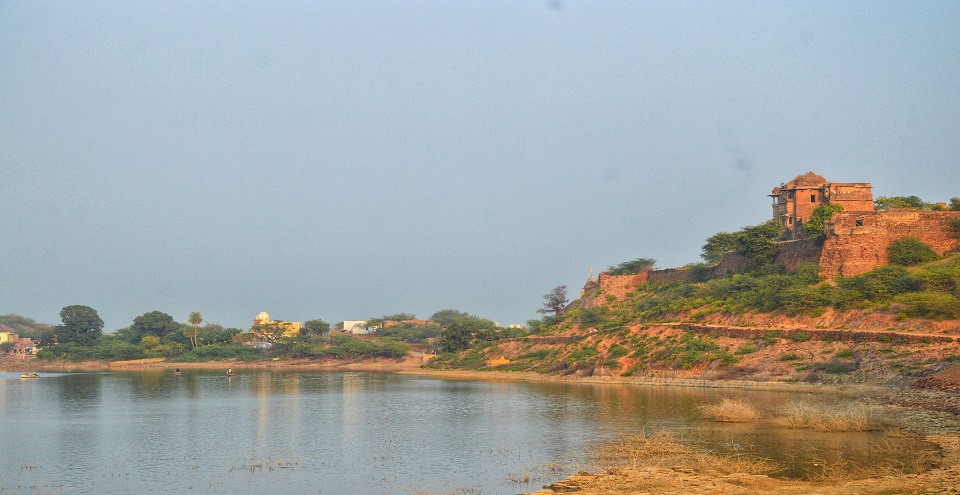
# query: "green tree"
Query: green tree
758,242
632,267
458,336
954,204
81,325
718,245
46,336
315,327
818,219
906,202
270,332
195,319
556,301
155,323
399,317
446,317
909,251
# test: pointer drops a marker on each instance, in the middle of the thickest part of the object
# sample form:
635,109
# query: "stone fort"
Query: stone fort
855,240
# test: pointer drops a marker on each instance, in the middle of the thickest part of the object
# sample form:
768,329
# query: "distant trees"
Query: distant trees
80,325
155,323
718,245
757,243
315,327
913,203
270,332
446,317
632,267
195,319
458,336
400,317
556,301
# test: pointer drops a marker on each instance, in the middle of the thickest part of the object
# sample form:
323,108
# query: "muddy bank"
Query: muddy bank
930,414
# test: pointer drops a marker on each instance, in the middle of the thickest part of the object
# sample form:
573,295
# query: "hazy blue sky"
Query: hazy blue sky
346,160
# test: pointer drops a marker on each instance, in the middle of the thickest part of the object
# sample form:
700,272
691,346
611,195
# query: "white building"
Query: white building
357,327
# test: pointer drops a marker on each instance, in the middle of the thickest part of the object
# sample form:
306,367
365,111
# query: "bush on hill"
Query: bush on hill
910,251
632,267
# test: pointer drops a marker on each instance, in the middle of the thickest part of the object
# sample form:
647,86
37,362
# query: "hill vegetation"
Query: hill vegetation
763,322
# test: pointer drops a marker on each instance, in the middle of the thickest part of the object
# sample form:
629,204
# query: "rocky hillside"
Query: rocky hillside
892,324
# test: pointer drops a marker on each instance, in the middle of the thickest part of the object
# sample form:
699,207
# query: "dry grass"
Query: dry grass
834,417
664,450
731,410
834,467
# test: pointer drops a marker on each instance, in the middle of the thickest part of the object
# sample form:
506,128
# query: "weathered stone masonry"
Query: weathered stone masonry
857,242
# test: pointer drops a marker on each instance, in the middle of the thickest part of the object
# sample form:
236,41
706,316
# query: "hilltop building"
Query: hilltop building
854,240
794,202
290,328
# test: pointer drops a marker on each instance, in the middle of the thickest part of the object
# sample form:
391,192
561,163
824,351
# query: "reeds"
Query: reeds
730,410
833,416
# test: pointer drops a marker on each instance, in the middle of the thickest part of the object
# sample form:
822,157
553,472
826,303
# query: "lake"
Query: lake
268,431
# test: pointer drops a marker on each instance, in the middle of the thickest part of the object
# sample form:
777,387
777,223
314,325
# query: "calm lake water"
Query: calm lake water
339,433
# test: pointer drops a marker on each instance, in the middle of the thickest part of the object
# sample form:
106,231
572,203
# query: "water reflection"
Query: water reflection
269,431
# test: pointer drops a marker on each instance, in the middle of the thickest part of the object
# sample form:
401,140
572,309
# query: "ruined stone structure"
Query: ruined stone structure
856,242
794,202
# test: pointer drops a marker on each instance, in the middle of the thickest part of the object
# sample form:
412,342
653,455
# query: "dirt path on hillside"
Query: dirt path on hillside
813,331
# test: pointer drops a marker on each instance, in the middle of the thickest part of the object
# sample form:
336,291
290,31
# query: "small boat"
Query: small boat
28,375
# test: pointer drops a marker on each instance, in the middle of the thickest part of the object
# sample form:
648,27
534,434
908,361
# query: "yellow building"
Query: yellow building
262,323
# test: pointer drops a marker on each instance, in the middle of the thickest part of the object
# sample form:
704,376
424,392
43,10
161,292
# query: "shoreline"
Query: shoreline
413,366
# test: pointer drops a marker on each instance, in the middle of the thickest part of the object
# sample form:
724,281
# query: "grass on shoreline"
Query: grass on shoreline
730,410
832,416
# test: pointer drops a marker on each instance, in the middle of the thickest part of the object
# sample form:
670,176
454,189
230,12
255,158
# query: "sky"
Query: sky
345,160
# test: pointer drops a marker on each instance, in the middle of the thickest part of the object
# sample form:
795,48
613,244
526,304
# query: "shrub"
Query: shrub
837,416
909,251
730,410
590,317
747,349
821,214
617,351
790,357
632,267
882,283
931,305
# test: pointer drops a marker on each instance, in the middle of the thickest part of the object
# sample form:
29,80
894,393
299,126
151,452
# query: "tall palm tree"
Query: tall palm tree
195,319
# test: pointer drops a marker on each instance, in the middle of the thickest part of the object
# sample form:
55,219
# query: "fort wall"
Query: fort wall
791,254
856,242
